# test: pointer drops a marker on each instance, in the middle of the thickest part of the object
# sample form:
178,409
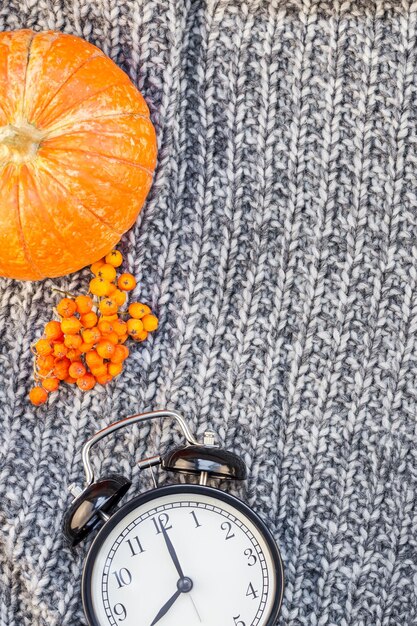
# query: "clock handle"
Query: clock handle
132,419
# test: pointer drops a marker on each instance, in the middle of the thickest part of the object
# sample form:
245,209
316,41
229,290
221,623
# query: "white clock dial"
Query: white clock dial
220,572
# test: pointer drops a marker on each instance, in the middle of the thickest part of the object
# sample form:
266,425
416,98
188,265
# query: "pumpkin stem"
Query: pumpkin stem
19,143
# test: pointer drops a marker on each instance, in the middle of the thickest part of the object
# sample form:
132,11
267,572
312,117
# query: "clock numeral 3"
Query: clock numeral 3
120,611
123,577
238,623
251,592
163,520
135,546
251,557
228,528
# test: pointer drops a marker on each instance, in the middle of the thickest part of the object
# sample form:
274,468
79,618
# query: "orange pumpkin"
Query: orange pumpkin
77,154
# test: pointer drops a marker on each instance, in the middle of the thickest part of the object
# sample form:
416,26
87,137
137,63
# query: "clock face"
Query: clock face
183,555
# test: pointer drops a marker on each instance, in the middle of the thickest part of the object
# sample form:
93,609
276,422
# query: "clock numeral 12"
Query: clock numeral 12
238,623
135,546
163,520
120,611
251,592
123,577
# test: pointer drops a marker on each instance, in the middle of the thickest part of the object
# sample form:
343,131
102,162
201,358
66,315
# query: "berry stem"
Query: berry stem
66,293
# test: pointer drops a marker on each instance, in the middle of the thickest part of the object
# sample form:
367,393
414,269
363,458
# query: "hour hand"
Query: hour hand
166,607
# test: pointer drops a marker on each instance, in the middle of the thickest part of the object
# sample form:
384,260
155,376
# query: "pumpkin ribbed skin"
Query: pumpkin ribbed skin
77,154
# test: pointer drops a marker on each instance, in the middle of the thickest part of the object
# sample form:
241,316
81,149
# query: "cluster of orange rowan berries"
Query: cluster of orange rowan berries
86,346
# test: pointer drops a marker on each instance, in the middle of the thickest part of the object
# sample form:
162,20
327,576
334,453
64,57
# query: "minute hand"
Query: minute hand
172,552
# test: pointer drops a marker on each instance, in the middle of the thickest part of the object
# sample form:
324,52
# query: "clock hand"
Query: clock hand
172,552
196,610
166,607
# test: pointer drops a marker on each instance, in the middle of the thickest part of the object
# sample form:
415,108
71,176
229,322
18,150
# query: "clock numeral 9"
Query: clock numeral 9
251,556
120,611
123,577
163,520
228,528
238,623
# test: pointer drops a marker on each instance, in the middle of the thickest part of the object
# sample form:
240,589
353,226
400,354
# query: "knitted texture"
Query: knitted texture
278,247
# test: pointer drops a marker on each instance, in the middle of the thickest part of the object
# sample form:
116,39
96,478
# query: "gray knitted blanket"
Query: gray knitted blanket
278,247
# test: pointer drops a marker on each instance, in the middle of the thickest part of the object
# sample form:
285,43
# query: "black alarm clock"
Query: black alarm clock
179,555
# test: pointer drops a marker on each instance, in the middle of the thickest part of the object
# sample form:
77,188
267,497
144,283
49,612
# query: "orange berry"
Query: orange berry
96,266
115,369
105,327
70,325
99,370
38,395
114,258
84,304
123,338
99,286
150,322
126,282
86,347
66,307
91,335
93,359
108,306
76,369
43,347
109,318
74,354
120,354
112,289
113,337
141,336
120,327
61,368
70,380
107,272
60,350
105,349
138,310
73,341
103,380
134,326
53,330
89,319
119,297
86,382
50,384
41,373
45,362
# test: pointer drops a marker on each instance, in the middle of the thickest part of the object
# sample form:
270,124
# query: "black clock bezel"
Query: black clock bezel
180,489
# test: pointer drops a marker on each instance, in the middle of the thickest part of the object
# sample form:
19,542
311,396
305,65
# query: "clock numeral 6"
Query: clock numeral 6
238,623
163,520
123,577
228,528
120,611
251,556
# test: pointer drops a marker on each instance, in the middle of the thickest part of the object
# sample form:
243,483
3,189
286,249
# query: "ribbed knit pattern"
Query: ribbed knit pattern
278,247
